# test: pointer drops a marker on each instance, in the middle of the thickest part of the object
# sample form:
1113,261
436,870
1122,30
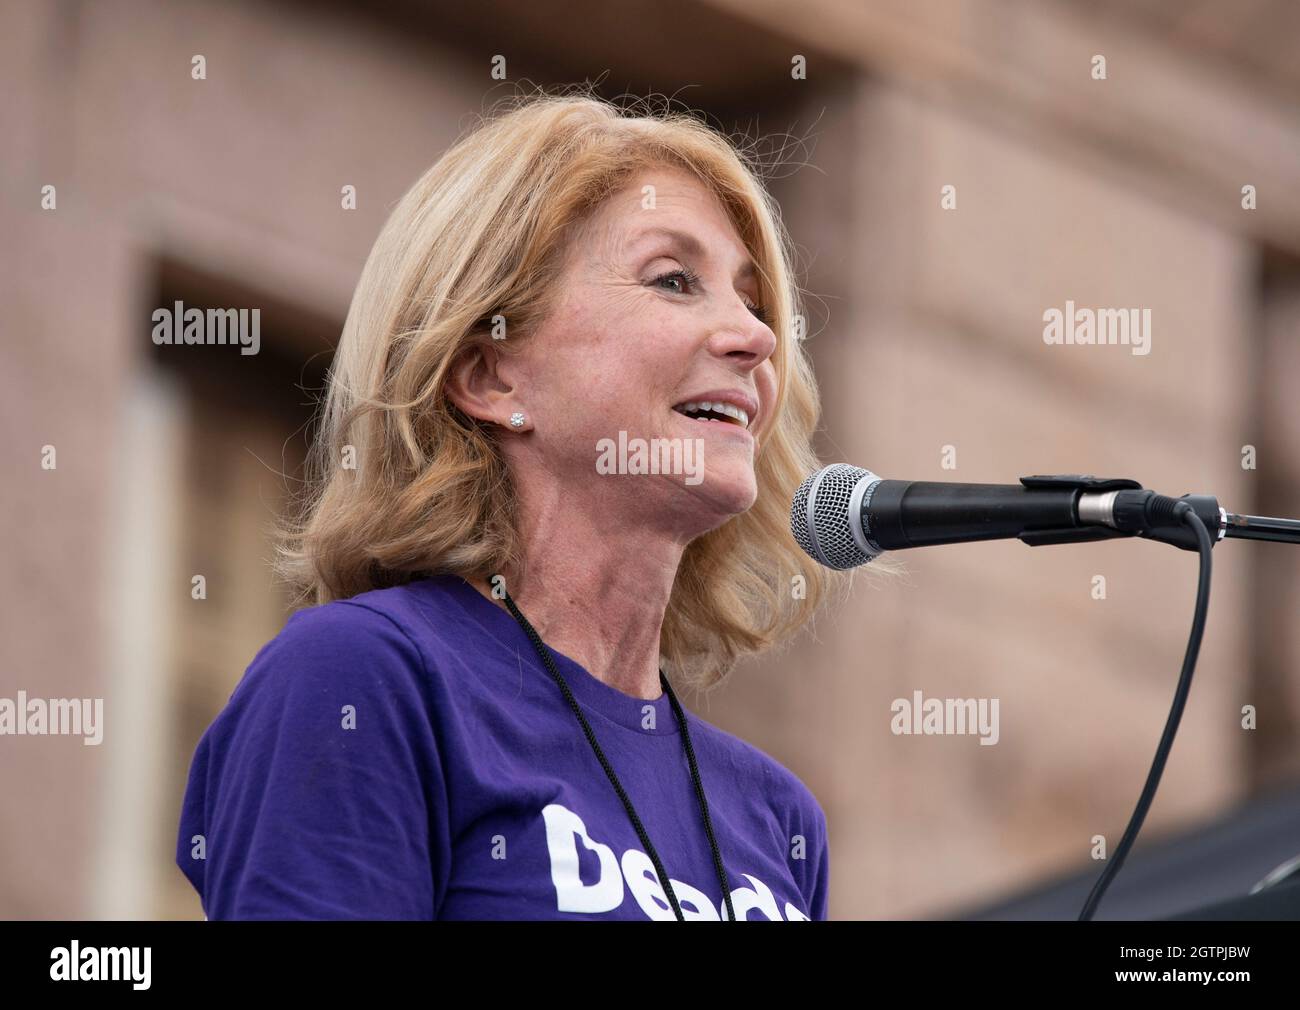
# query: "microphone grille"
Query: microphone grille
819,516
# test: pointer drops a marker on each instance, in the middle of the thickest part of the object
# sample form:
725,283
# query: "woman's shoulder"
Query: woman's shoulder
367,627
393,625
364,643
398,640
327,734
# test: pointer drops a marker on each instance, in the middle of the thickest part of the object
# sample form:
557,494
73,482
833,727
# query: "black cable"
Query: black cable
1188,517
536,639
699,791
680,715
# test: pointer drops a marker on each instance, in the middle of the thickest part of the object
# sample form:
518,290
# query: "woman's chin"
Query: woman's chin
729,493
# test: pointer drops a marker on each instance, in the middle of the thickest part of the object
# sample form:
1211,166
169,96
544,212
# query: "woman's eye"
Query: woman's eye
682,278
690,279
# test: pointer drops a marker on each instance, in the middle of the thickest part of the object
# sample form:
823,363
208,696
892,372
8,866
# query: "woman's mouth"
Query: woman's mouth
705,412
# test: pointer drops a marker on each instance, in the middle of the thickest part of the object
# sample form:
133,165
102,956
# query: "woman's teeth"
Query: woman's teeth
699,407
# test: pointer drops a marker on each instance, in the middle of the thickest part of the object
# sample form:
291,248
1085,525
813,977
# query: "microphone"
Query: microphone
844,516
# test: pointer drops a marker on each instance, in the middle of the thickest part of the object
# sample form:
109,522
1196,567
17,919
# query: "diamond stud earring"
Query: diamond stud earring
517,419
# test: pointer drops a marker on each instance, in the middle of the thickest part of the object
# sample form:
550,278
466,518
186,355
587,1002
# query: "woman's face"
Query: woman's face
658,307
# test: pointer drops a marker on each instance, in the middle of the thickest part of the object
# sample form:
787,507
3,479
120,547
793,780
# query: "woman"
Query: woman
561,431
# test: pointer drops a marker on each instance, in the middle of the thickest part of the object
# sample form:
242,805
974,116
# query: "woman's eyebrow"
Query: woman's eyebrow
690,245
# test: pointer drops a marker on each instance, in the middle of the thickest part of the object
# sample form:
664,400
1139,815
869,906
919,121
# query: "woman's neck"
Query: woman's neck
604,609
608,623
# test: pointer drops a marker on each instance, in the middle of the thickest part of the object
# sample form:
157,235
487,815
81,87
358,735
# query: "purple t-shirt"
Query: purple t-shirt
404,754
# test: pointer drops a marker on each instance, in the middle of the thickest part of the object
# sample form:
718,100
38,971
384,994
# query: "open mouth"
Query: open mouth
704,412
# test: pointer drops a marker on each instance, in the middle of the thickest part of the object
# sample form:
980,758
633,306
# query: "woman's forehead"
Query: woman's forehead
664,189
633,221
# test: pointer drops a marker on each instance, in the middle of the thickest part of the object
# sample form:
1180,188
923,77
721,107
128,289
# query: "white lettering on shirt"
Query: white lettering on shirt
564,829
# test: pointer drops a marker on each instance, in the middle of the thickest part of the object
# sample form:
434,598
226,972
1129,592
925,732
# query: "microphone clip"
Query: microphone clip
1081,483
1112,507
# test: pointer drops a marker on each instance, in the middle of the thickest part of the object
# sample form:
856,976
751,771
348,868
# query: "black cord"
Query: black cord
699,791
1187,516
536,639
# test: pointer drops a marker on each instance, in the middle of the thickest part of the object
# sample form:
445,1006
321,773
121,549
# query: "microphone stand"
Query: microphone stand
1285,531
1192,522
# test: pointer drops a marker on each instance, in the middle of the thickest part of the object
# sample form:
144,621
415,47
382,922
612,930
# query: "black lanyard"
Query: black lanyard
618,788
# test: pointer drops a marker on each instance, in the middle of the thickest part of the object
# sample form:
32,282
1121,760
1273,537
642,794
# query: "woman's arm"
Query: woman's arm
318,793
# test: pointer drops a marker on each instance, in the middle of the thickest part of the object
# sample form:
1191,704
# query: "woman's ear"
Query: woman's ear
473,384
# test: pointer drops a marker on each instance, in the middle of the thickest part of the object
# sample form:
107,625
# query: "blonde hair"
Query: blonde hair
402,484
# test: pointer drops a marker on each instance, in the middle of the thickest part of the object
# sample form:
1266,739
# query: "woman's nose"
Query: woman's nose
744,335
